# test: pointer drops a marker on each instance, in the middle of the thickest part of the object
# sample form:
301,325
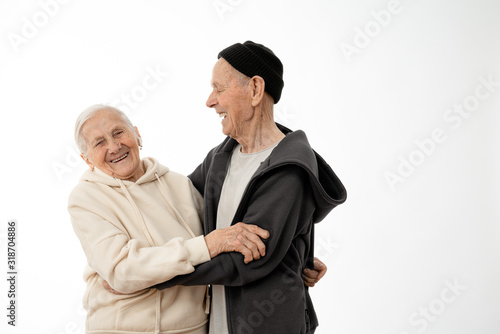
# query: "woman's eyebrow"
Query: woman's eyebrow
96,138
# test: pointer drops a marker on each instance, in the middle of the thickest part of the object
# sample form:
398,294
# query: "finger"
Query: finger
310,285
240,247
308,279
320,267
307,282
264,234
318,264
106,285
311,273
256,242
250,245
247,255
321,274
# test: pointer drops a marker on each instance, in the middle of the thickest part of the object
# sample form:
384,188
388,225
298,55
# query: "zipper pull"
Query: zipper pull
207,300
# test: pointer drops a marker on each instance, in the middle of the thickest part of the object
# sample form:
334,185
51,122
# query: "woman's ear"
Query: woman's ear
87,161
138,136
258,86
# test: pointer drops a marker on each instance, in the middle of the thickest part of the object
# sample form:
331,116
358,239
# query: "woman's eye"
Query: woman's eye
98,143
117,133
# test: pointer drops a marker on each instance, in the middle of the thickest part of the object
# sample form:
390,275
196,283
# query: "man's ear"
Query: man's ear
87,161
257,85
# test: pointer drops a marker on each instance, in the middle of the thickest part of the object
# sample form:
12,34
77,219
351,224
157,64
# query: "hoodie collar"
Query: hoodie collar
150,166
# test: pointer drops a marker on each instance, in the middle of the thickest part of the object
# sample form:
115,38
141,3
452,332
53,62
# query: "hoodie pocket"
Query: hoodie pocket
136,312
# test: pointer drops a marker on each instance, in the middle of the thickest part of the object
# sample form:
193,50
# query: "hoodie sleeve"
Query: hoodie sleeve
283,204
128,264
198,176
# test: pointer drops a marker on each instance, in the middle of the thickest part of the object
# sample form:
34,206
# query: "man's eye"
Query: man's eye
117,133
98,143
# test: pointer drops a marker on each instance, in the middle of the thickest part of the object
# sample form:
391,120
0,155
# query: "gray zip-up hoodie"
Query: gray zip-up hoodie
291,190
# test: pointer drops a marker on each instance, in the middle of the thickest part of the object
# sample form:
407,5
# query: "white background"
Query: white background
392,250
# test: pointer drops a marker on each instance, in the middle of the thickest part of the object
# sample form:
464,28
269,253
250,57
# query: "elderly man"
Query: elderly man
263,174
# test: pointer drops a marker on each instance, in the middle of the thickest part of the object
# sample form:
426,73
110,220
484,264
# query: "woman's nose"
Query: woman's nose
114,146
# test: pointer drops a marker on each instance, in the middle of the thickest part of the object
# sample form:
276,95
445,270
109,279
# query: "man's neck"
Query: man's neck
260,136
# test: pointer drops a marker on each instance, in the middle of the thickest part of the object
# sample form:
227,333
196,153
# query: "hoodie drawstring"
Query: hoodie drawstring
137,213
158,307
151,243
179,218
176,213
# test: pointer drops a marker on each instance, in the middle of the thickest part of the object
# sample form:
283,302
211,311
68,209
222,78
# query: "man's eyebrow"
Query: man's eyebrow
220,85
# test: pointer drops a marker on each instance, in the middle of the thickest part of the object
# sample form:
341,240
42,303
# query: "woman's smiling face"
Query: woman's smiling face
112,146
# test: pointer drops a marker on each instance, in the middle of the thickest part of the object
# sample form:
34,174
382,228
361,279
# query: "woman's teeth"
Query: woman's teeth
120,158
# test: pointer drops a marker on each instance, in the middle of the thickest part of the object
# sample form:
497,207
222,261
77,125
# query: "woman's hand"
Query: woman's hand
240,237
311,277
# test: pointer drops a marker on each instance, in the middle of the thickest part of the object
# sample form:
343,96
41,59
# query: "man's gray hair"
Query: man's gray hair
84,117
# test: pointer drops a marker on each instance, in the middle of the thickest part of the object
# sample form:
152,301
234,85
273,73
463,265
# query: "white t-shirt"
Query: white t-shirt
241,169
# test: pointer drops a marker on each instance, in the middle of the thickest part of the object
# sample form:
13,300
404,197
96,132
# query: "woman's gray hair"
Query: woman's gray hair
88,113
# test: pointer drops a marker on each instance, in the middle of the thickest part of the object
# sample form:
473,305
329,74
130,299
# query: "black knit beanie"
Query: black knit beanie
255,59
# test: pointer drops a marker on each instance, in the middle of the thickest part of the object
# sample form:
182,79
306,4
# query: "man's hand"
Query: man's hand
108,287
242,238
311,277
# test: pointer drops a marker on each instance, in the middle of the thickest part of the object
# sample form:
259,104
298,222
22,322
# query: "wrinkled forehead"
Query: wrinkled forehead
104,120
223,72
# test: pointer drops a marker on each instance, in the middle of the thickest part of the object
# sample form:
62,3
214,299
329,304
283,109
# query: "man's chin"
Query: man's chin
226,131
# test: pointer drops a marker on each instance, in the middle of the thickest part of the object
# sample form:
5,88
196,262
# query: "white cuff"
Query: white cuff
198,250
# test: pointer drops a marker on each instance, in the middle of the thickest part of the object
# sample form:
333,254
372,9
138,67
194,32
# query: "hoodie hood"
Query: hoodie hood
327,188
295,149
151,166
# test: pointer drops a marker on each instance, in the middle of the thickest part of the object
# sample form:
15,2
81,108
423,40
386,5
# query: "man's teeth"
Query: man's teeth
120,158
223,114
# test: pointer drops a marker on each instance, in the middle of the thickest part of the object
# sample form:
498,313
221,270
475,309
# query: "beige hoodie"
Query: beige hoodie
135,235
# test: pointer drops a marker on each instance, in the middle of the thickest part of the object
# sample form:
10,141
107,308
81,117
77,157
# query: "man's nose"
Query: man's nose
212,100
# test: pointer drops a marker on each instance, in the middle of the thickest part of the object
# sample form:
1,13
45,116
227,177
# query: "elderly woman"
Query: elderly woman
140,224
